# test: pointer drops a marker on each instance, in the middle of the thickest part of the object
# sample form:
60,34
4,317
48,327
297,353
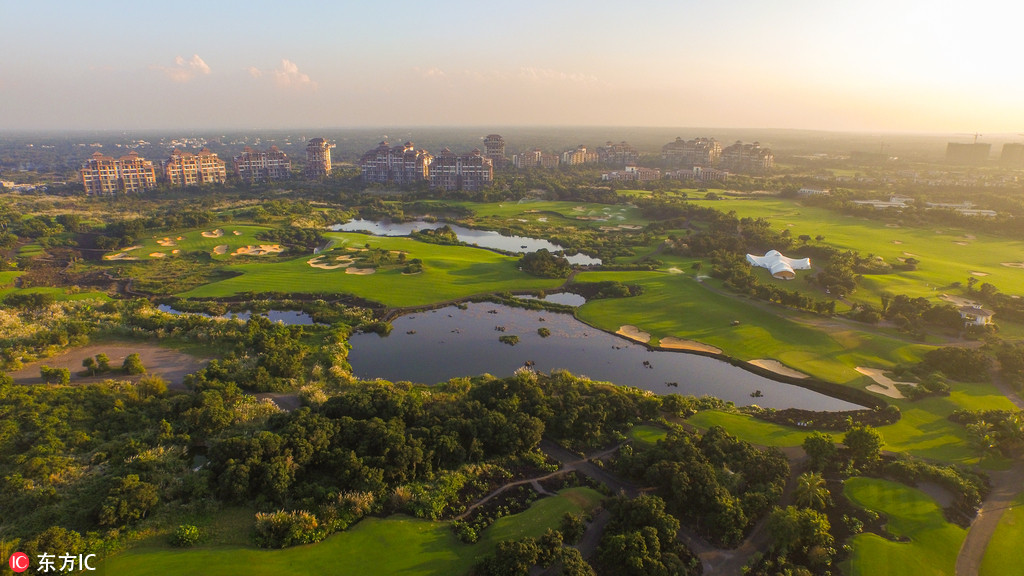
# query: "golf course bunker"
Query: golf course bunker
213,234
674,270
884,385
123,254
360,271
962,243
673,343
1007,264
777,367
342,262
166,243
175,251
897,242
236,232
157,255
976,273
222,249
634,333
171,365
261,250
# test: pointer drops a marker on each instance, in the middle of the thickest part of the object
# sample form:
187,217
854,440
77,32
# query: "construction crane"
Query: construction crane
975,135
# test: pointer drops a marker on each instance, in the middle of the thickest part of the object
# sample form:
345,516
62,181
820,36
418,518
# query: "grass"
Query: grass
59,294
449,272
194,241
582,213
749,429
7,278
1002,556
646,435
395,545
934,542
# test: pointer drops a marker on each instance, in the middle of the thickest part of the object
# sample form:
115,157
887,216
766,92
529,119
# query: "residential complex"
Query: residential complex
703,152
494,148
633,174
318,158
187,169
395,165
103,175
470,172
535,159
621,154
747,158
578,156
256,166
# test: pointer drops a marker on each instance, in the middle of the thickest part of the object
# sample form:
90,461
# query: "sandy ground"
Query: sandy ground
236,232
222,249
673,343
634,333
976,273
897,242
171,365
885,386
261,250
360,271
213,234
911,254
962,243
175,251
777,367
123,254
1013,264
157,255
958,301
342,262
674,270
166,243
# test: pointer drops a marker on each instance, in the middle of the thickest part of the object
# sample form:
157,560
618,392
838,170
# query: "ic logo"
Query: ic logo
19,562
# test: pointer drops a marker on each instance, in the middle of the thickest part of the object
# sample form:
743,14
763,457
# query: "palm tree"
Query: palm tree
811,491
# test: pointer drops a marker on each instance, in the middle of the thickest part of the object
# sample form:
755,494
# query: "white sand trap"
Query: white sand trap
976,273
897,242
166,242
180,238
236,232
214,234
222,249
885,386
910,254
342,262
123,254
157,255
634,333
1013,264
777,367
261,250
958,300
962,243
175,251
542,219
674,270
673,343
360,271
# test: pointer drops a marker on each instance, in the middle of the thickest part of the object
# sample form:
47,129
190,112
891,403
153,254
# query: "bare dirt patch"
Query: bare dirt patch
777,367
673,343
634,333
261,250
884,385
171,365
360,271
123,254
213,233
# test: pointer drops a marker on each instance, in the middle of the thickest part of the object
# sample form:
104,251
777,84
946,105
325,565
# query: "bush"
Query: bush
185,536
55,375
133,364
282,529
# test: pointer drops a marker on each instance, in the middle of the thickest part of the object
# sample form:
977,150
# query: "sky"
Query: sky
861,65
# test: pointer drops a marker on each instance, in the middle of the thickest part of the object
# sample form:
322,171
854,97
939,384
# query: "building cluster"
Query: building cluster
632,174
747,158
104,175
535,159
708,154
699,152
405,165
621,154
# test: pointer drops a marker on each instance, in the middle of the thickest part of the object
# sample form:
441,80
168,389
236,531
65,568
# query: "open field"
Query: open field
934,542
1002,556
171,243
58,293
170,364
395,545
645,435
750,429
449,272
582,213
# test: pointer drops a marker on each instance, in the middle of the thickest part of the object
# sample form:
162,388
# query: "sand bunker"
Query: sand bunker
976,273
962,243
123,254
778,368
674,270
157,255
342,262
214,234
885,386
222,249
892,225
1013,264
897,242
673,343
910,254
179,237
175,251
166,242
261,250
236,232
634,333
360,271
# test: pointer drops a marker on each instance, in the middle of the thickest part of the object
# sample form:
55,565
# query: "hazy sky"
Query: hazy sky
874,65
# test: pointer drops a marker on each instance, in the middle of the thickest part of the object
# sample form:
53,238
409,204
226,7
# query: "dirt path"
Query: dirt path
1005,487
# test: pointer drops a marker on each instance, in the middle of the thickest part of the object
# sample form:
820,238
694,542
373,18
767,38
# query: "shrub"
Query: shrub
133,364
282,529
185,536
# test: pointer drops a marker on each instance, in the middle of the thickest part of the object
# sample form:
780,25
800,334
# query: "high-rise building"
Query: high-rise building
187,169
960,153
703,152
578,156
747,158
1012,156
620,154
494,148
318,158
470,172
256,166
395,165
103,175
535,158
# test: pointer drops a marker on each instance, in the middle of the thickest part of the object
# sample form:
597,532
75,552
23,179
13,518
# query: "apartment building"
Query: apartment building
578,156
703,152
400,165
535,158
318,158
470,172
258,166
747,158
103,175
621,154
494,149
187,169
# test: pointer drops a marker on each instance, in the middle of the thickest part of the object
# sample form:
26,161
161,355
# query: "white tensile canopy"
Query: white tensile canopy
780,266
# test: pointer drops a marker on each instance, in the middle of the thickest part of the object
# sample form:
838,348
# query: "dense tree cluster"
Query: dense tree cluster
293,237
640,540
545,264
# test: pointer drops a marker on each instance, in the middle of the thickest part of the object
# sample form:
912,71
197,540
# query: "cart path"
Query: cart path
1006,485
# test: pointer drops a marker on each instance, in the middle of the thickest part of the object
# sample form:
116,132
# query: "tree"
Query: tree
864,444
55,375
90,366
133,364
821,449
129,500
102,363
572,527
811,491
804,238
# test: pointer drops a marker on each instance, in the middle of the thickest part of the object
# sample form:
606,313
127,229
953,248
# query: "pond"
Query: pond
481,238
434,346
288,317
564,298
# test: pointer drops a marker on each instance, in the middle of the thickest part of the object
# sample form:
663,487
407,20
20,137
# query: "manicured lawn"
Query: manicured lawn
395,545
934,543
645,435
1002,556
58,293
580,212
750,429
194,241
7,278
449,272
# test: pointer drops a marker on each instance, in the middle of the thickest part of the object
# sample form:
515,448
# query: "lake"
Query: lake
481,238
434,346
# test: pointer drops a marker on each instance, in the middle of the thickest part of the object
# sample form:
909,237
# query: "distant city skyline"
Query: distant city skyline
910,66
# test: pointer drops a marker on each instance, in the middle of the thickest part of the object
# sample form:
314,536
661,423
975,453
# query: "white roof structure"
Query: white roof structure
780,266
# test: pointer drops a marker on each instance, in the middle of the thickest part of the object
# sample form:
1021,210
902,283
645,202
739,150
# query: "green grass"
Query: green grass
194,241
395,545
7,278
934,542
1002,556
645,435
582,213
449,272
59,294
749,429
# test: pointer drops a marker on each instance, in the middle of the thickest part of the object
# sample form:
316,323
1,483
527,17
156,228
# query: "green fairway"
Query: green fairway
582,213
449,272
59,294
395,545
176,242
7,278
1002,556
750,429
644,435
934,542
